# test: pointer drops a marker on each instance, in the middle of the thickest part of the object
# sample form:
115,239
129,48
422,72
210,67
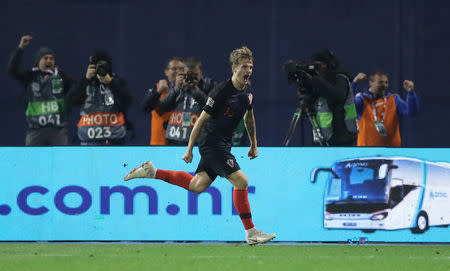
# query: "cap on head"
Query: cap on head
101,55
42,52
326,56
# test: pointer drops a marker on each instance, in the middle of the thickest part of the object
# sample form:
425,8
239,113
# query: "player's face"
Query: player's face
243,71
172,70
379,84
47,62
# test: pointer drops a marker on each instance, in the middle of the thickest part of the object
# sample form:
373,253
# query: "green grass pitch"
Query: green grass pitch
210,257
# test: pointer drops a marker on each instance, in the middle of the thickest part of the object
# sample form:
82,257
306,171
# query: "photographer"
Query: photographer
329,97
45,93
153,96
104,99
186,102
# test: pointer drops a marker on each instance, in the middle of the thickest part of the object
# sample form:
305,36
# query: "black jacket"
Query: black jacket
169,102
335,90
118,86
26,77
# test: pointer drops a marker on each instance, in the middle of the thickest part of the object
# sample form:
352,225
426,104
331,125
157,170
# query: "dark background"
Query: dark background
408,39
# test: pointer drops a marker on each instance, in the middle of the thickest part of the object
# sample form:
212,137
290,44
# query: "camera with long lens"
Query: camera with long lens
301,74
298,71
190,77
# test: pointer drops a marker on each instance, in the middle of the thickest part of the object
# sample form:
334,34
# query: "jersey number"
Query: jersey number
229,113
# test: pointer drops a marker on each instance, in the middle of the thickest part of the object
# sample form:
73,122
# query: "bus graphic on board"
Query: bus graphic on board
386,193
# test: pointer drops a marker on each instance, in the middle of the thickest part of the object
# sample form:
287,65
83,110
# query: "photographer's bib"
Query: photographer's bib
379,123
101,126
180,125
46,105
324,116
183,118
377,111
100,118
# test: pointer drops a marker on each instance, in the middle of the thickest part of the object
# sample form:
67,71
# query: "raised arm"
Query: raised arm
168,103
15,62
410,107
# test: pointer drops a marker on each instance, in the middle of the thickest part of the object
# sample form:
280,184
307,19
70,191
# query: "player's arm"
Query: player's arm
250,126
187,157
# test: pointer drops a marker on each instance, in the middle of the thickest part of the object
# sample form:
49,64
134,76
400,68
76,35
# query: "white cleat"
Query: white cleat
147,170
255,237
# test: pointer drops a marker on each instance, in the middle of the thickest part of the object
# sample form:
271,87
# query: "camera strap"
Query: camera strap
379,126
317,134
383,111
191,102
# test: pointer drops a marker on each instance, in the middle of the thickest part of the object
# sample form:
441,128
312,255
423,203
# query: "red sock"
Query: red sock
180,178
240,201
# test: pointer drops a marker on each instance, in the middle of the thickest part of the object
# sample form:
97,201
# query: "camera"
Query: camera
102,69
298,71
190,77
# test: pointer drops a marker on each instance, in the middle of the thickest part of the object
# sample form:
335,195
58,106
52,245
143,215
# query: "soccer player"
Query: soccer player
226,105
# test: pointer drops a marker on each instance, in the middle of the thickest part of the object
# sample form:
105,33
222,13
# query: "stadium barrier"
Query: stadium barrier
301,194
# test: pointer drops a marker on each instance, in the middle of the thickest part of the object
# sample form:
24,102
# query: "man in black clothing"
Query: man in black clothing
227,104
185,102
105,100
330,96
46,88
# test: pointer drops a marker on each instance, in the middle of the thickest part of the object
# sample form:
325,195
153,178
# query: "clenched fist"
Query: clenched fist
408,85
24,41
360,77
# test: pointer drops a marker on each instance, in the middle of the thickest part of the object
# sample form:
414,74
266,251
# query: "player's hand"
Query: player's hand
24,41
187,157
408,85
104,79
253,152
162,84
360,77
250,98
90,73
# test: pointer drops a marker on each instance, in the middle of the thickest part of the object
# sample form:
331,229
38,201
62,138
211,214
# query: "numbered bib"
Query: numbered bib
46,113
180,126
101,126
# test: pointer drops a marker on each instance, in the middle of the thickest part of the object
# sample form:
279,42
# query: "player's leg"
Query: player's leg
200,182
240,201
196,184
240,197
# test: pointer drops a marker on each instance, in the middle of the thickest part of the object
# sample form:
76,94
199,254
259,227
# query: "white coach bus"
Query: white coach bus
386,193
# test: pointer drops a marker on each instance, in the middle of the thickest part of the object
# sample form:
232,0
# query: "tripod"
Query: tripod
317,135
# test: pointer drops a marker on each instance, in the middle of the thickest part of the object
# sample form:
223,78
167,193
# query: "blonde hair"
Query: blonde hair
240,53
